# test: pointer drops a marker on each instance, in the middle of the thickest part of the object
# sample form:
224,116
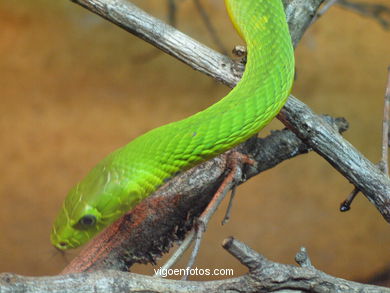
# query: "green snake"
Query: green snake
131,173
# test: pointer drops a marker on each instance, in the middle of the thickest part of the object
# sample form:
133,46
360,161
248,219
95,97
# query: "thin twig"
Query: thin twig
346,204
200,229
175,257
378,12
226,218
210,28
172,12
385,129
235,162
327,5
383,163
302,258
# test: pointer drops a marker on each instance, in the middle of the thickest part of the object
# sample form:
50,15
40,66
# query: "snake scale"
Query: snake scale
134,171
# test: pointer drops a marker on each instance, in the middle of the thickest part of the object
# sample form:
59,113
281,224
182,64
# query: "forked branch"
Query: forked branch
263,276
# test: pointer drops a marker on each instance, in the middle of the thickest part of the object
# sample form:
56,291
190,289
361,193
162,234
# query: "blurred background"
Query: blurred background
74,87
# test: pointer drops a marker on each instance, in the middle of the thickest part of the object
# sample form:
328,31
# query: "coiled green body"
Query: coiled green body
134,171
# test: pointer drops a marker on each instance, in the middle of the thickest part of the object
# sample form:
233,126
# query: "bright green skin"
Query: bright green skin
134,171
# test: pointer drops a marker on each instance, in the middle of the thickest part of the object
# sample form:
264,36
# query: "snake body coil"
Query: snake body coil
134,171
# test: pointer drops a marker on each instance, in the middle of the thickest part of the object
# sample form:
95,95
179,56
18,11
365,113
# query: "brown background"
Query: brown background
74,87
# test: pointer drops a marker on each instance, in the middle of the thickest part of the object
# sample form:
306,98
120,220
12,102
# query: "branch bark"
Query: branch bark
299,14
151,228
263,276
378,12
361,172
343,156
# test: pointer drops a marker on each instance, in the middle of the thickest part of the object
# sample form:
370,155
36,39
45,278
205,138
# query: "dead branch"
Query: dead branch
327,5
210,27
383,163
296,115
263,276
378,12
362,173
151,228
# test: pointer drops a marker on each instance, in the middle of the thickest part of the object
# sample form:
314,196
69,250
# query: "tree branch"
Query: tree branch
150,229
299,14
263,276
378,12
362,173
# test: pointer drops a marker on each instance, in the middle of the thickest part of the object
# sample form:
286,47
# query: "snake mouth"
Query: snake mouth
61,246
61,240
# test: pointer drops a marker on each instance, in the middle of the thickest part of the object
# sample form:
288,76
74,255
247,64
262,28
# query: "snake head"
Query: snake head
70,233
94,203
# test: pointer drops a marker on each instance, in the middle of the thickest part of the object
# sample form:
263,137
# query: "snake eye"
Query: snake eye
63,244
87,221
